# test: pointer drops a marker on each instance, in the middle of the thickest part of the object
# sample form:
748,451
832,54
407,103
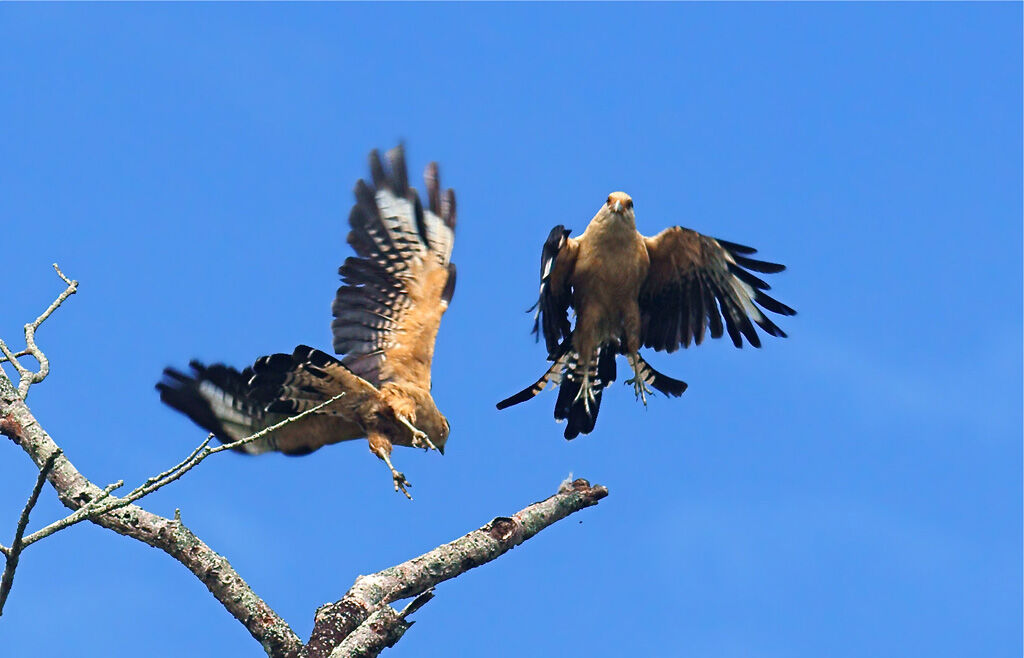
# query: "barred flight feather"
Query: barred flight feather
398,242
218,399
386,316
717,292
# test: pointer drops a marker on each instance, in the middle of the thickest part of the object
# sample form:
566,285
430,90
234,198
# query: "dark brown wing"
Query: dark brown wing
557,261
388,312
222,401
695,282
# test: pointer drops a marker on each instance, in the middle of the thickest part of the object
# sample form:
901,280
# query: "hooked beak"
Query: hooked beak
618,206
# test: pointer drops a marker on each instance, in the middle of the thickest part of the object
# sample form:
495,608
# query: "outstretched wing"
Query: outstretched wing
557,261
695,282
222,401
387,313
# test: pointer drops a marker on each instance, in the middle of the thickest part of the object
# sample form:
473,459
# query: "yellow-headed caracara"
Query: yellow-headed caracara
630,291
386,317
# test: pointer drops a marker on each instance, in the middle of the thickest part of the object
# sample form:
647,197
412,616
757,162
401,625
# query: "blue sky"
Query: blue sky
853,490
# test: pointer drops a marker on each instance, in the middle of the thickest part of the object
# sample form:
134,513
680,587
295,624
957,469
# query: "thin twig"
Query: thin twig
168,535
98,507
30,336
26,377
14,553
263,432
81,514
16,354
12,358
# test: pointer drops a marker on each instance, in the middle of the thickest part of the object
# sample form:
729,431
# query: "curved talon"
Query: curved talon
399,479
640,389
586,394
419,437
401,483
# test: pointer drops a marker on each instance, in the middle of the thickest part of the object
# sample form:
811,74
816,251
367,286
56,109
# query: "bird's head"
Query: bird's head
443,436
621,204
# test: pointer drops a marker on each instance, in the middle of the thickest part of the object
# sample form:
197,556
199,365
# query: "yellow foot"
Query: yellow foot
640,389
400,482
586,394
639,384
419,437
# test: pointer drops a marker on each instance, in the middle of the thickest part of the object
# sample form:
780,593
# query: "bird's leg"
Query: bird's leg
640,388
380,446
585,393
399,478
419,437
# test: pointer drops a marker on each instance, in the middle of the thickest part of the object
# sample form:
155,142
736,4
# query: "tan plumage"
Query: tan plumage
386,318
630,291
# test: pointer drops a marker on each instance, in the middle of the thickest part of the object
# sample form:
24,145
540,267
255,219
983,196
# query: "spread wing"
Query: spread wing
387,313
695,282
222,401
557,262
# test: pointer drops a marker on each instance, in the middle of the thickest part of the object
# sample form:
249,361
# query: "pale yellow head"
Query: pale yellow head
620,203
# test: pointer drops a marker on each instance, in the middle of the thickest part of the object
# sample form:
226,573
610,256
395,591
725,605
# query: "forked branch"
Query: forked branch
372,594
362,623
26,377
13,554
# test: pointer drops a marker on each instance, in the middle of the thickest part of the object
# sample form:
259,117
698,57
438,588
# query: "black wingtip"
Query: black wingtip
522,396
759,265
377,170
735,247
448,209
399,173
432,179
182,393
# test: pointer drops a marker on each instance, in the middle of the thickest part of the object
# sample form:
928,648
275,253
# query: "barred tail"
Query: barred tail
579,398
552,376
661,382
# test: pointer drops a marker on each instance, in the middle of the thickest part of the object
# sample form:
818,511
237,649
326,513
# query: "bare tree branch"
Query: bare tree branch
26,377
16,354
380,631
171,536
370,594
103,504
362,623
81,514
13,554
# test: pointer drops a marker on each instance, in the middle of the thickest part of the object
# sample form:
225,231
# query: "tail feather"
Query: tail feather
552,376
578,406
661,382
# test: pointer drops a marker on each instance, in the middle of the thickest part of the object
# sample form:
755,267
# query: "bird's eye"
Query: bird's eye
609,201
629,204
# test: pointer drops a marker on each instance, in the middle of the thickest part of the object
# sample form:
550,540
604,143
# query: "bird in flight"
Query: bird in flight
386,317
631,291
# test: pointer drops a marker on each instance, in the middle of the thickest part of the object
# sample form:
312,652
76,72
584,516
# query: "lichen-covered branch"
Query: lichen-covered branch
370,594
380,631
26,378
169,535
362,623
104,503
13,554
